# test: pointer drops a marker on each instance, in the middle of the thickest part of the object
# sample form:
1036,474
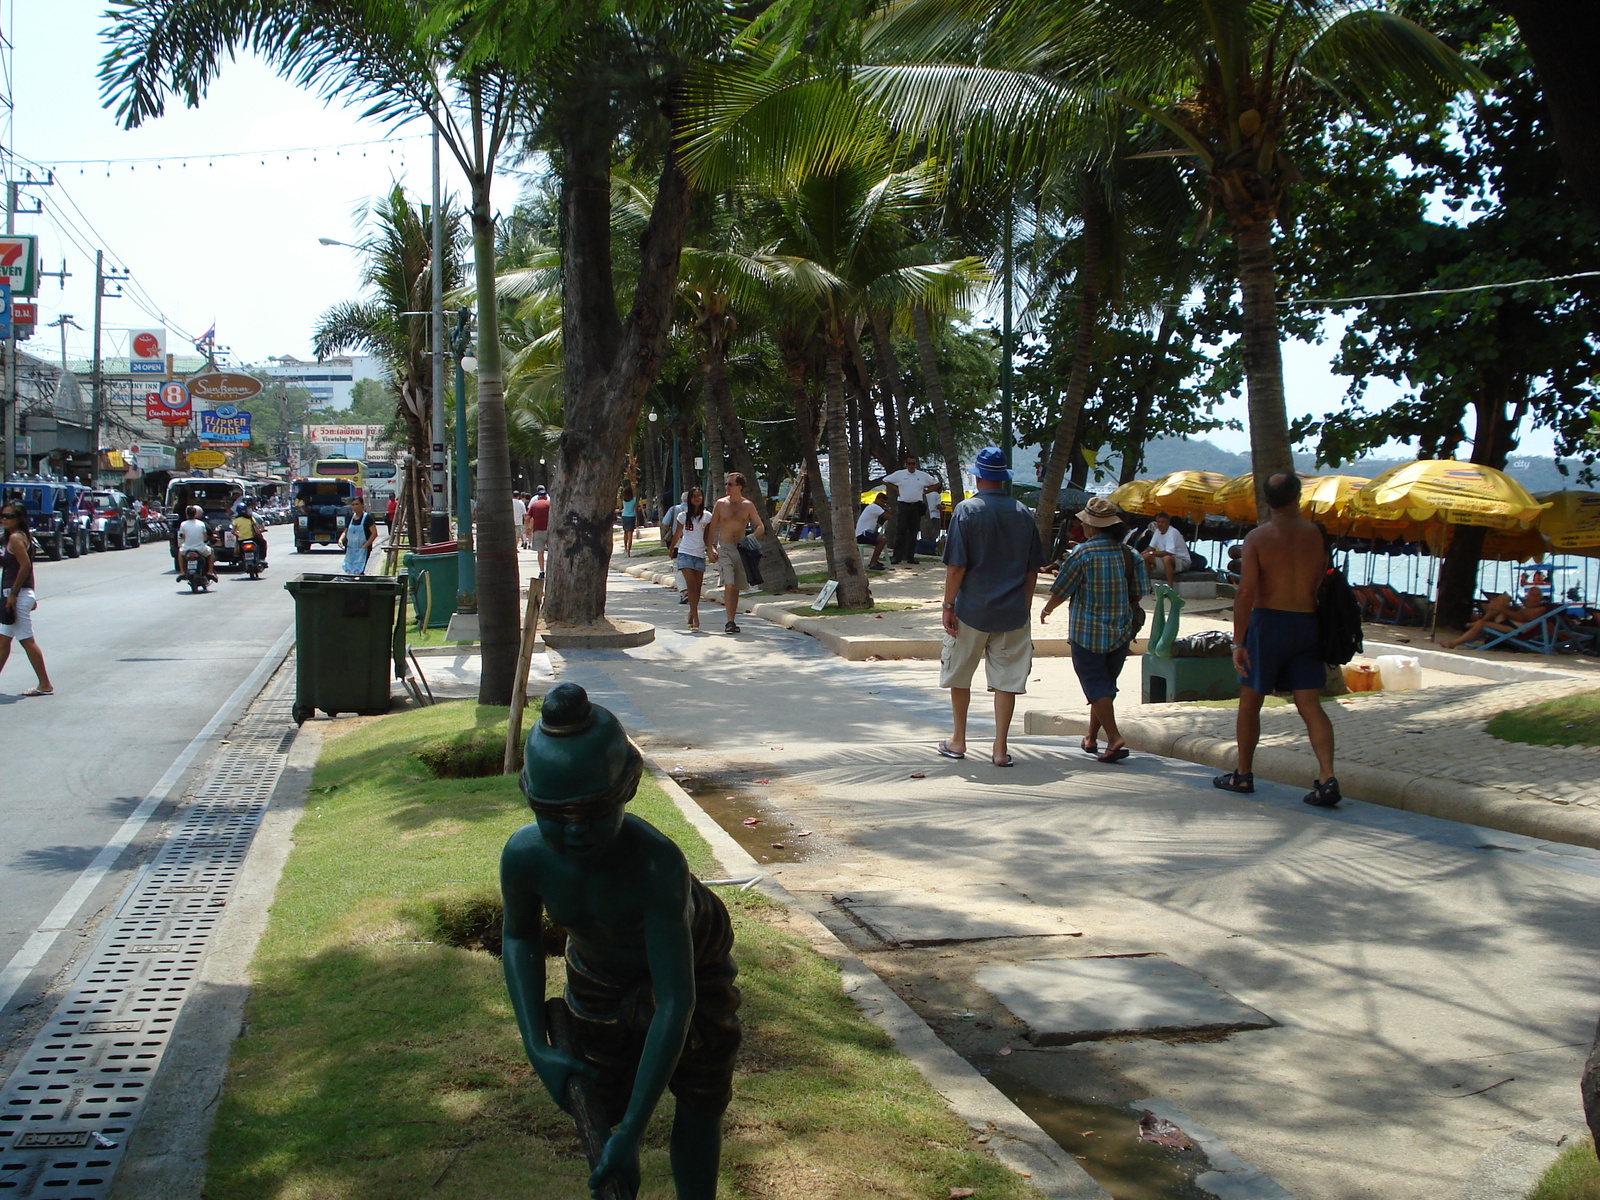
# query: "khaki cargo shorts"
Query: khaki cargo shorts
728,564
1007,658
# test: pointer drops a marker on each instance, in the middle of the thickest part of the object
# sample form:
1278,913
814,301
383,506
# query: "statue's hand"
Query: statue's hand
554,1067
620,1161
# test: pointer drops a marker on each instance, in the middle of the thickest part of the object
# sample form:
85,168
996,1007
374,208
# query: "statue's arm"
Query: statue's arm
523,961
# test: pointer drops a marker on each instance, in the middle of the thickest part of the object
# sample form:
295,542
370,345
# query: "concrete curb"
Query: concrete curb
1014,1137
1466,664
1509,1169
1451,800
166,1158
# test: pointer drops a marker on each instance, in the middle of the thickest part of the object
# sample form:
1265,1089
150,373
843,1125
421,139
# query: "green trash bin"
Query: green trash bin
344,642
434,580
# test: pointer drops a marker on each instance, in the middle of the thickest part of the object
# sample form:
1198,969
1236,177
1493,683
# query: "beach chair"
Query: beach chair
1393,608
1552,633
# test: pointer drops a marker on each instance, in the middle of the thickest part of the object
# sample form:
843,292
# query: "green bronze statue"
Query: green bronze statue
650,1001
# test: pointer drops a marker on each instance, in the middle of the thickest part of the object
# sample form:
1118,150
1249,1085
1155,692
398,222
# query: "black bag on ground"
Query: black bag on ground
1209,643
1338,619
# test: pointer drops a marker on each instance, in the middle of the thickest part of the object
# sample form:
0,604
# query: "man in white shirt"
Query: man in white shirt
1167,549
912,485
869,530
195,534
519,518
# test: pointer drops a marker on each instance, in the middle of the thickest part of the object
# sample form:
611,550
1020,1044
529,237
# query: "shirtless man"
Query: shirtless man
650,976
729,518
1502,616
1275,635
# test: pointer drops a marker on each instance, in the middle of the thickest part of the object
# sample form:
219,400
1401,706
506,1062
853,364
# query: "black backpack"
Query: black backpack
1338,619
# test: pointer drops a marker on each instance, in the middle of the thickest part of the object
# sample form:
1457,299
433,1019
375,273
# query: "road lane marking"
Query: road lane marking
60,918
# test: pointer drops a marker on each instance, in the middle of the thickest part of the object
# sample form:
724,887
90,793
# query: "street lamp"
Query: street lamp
466,565
337,242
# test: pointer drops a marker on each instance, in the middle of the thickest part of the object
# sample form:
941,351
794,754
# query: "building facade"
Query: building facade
330,382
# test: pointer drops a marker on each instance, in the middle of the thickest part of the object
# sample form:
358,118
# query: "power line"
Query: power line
336,147
1476,287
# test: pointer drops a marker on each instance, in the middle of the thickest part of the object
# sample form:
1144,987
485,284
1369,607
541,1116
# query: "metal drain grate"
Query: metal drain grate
68,1109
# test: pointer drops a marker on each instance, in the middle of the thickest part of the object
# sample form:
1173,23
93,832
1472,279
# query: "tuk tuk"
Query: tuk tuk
321,509
216,498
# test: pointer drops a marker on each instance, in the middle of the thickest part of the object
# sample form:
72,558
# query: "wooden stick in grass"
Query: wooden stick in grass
585,1109
519,689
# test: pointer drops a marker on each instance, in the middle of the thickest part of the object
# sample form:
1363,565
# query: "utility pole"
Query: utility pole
96,376
62,322
466,563
8,425
439,513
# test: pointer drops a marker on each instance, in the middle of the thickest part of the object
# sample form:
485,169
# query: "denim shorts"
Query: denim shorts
688,562
1097,673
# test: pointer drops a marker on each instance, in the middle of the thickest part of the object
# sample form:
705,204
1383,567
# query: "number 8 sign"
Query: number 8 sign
174,397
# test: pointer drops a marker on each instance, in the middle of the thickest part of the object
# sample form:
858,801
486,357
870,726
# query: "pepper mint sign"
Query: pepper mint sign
225,423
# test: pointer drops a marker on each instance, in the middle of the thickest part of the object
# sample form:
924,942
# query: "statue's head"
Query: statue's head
579,770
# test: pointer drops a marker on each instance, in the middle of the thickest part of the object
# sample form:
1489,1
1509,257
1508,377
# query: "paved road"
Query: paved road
1433,984
140,666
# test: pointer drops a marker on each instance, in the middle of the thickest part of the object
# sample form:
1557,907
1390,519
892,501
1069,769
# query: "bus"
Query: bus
383,483
340,467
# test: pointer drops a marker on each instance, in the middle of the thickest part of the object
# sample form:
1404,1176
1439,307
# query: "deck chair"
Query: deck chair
1393,608
1552,633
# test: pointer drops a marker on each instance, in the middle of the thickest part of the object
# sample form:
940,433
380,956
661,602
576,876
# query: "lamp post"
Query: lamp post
466,568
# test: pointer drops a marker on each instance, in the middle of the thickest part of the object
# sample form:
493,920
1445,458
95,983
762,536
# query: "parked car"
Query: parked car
114,521
52,505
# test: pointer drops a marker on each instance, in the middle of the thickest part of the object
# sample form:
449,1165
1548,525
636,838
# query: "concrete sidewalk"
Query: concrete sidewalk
1431,982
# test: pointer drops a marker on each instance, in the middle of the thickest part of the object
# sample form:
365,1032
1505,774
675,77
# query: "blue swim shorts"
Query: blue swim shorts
1283,652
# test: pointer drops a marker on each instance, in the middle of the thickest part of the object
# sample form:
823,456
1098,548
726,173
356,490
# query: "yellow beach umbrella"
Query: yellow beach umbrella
1572,522
1131,496
1499,545
1457,493
1330,495
1184,493
1235,499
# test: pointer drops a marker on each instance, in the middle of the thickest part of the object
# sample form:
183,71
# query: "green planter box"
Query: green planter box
434,583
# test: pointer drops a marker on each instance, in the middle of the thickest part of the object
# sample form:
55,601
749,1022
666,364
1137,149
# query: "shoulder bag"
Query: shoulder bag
1130,573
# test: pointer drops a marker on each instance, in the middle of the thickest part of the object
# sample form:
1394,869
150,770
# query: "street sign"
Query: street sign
205,460
147,352
24,312
217,387
152,456
19,263
224,424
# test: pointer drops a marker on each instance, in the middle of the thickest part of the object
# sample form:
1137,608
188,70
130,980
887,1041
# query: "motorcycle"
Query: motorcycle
250,557
196,572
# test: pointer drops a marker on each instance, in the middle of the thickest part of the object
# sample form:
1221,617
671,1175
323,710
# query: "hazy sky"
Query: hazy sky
234,239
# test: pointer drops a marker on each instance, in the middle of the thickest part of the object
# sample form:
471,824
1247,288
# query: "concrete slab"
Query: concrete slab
908,919
1065,1000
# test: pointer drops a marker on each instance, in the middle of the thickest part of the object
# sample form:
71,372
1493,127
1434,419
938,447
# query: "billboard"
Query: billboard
224,388
19,263
367,435
147,352
150,456
224,423
170,404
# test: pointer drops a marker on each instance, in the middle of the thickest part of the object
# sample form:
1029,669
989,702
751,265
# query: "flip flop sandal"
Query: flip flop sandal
1112,756
1090,748
1009,762
1233,781
33,691
730,627
1323,795
945,752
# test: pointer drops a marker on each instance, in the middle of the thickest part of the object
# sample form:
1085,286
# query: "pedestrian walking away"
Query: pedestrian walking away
17,596
912,485
1104,580
630,519
731,518
519,513
869,529
688,548
359,536
1275,635
539,523
1167,550
992,558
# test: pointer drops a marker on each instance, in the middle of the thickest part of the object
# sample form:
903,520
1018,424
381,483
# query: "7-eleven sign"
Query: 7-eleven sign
19,263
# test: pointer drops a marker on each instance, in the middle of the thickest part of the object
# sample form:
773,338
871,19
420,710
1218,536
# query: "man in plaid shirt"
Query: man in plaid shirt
1102,578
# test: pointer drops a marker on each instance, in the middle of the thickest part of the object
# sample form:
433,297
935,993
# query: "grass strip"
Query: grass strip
434,637
1573,1176
1565,721
887,606
379,1061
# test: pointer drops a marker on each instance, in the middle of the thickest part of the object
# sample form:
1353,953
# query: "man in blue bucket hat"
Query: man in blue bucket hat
992,557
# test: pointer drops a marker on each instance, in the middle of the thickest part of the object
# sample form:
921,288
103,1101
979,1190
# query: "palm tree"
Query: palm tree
396,265
839,245
405,62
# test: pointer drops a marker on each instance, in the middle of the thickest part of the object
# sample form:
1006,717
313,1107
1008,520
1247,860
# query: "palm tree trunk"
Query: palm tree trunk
716,467
1499,407
852,577
1144,399
1091,273
607,365
941,415
794,365
1270,450
777,572
495,552
889,380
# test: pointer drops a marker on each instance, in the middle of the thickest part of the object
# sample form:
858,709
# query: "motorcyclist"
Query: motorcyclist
195,534
246,524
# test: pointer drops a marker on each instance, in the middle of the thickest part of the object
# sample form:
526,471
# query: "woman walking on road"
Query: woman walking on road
16,595
689,549
360,535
